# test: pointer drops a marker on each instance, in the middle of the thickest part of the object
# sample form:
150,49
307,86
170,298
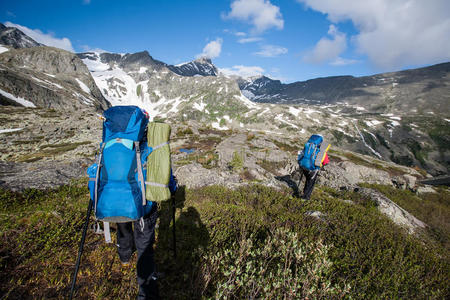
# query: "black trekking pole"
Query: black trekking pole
80,250
173,220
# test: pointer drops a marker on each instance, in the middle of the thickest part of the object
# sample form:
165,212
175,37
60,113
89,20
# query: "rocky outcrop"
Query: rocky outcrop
194,175
41,175
49,77
397,214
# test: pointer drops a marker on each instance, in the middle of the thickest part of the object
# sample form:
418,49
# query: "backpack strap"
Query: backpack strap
140,173
106,232
97,177
159,146
155,183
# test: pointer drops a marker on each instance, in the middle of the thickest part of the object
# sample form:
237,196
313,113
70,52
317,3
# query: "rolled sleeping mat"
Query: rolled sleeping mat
158,162
321,155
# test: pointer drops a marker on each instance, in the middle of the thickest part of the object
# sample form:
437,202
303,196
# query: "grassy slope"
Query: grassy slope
252,242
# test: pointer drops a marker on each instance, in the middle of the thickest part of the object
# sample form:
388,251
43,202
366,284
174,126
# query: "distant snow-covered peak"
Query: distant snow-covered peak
201,66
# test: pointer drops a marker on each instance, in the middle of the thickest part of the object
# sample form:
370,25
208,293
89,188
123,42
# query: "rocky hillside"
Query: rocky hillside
47,77
416,90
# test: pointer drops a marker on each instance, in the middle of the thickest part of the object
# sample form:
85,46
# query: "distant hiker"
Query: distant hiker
133,166
311,159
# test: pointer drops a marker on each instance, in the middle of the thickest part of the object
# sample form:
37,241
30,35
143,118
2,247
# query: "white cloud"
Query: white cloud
327,49
339,61
249,40
260,13
240,33
212,49
46,39
271,51
394,33
87,48
242,71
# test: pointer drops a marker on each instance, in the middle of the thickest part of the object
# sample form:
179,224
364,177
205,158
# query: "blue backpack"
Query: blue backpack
117,180
307,158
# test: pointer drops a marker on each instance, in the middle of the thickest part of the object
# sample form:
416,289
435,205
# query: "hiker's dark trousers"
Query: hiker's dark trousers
311,177
142,239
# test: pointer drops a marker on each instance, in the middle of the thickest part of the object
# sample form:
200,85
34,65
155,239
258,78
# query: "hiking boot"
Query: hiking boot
125,263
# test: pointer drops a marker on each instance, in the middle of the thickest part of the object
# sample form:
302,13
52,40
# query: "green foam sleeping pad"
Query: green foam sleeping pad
158,162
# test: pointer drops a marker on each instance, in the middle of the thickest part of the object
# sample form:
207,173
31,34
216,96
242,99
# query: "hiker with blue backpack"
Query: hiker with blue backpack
313,157
132,174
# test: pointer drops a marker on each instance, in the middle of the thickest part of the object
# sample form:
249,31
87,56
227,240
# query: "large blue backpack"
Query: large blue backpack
307,158
117,180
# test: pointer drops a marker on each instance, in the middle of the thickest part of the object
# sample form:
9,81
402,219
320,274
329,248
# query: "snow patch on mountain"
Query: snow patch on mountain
83,86
294,111
94,64
19,100
245,101
3,49
46,82
280,118
199,106
10,130
373,123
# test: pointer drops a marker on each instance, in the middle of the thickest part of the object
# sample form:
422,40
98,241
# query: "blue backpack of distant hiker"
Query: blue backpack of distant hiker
313,153
117,180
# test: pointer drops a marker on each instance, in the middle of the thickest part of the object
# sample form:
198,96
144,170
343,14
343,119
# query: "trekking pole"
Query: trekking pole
173,220
80,250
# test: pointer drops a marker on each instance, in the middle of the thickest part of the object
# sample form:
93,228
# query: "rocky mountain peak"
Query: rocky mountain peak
202,66
141,59
15,38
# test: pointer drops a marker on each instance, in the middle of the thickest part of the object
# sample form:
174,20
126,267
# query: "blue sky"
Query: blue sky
290,40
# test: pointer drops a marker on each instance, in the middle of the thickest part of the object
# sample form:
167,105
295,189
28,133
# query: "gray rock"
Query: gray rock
194,175
397,214
426,189
41,175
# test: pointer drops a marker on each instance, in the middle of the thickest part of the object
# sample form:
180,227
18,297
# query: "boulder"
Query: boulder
397,214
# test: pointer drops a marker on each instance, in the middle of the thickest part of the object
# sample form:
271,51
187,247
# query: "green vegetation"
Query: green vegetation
440,134
237,161
253,242
287,147
271,166
418,151
339,136
138,90
184,131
